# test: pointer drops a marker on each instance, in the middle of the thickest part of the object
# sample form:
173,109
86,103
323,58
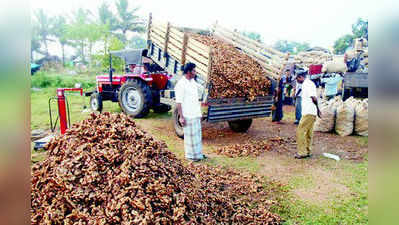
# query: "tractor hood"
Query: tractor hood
130,56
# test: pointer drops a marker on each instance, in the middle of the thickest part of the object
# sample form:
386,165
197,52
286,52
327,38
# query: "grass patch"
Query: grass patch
340,210
249,164
305,181
362,141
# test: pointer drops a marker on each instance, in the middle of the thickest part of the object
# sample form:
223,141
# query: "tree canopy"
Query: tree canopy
89,33
292,47
359,30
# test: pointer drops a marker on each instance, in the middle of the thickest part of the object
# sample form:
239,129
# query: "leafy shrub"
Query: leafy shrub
44,80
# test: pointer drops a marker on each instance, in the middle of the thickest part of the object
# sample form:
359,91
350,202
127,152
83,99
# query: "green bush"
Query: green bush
43,80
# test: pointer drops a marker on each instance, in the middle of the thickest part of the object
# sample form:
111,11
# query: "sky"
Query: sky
319,22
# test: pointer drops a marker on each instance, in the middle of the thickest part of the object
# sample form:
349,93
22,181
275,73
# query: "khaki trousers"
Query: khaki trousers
304,135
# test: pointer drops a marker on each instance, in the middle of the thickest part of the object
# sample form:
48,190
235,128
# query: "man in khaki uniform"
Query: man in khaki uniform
310,108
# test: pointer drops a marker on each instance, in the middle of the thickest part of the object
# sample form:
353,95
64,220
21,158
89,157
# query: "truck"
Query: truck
171,47
355,84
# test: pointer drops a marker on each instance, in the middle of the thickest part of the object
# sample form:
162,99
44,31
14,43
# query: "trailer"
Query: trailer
171,47
355,84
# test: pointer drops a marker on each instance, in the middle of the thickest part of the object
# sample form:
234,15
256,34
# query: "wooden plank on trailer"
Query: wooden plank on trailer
263,64
252,53
174,55
247,40
175,43
159,33
259,45
198,46
197,50
249,51
177,32
175,49
175,38
157,30
176,52
239,41
197,63
156,41
201,71
157,36
197,56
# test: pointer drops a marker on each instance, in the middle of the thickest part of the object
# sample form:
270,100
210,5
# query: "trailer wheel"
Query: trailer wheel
96,102
178,127
135,98
240,126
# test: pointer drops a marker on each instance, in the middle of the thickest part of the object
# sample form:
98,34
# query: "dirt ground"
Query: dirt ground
316,179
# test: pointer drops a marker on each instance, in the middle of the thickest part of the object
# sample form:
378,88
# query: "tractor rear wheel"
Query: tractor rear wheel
178,127
96,102
135,98
240,126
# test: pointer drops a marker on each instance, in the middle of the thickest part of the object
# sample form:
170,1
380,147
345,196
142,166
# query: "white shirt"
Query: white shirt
298,87
308,90
187,94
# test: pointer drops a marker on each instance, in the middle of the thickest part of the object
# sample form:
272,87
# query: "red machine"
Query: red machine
63,108
138,90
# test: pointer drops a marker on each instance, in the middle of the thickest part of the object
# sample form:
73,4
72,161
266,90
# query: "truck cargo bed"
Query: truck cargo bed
356,80
228,109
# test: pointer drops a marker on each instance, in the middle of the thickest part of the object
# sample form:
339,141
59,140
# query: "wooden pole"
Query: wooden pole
183,54
149,26
166,37
209,63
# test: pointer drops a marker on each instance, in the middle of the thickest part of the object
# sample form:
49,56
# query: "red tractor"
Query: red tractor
137,90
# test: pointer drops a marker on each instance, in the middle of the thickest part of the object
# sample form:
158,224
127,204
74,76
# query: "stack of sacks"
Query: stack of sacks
328,110
304,59
345,118
337,65
362,118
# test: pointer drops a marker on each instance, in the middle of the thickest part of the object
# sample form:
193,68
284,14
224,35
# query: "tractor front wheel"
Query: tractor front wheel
135,98
240,126
96,102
